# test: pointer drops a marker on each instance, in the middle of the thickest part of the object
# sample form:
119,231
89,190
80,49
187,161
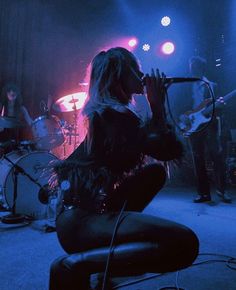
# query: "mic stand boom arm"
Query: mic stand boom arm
16,218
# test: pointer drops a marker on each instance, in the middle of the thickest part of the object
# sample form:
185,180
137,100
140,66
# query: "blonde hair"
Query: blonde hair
106,71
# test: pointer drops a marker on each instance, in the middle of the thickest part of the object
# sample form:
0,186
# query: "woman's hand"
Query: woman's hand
156,90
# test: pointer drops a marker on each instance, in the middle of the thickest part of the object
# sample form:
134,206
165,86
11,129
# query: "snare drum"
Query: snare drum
33,163
47,132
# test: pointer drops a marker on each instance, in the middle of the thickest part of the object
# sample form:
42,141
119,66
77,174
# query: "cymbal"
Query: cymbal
70,103
9,122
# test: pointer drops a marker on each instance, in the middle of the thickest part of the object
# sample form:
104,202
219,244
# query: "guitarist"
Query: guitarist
207,141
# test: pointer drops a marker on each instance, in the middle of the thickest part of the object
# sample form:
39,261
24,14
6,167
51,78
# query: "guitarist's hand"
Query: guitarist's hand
155,88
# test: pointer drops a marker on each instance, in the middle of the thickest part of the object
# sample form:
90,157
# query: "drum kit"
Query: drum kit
67,105
23,181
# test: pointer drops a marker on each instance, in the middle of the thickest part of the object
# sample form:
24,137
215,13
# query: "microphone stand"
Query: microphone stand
15,218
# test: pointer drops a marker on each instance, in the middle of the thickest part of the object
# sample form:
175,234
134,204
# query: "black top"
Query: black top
116,147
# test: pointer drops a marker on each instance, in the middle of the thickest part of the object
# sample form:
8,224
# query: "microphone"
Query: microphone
170,80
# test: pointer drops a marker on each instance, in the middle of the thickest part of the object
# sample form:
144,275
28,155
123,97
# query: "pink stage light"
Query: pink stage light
168,47
133,42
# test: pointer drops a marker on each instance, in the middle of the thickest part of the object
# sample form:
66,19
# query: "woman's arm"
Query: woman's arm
160,140
163,146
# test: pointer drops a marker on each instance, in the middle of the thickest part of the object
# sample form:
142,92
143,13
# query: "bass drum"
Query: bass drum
34,164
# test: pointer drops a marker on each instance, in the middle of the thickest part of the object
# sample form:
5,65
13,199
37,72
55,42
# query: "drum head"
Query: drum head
35,165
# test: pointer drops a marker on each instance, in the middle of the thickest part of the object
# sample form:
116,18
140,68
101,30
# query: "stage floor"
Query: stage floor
27,250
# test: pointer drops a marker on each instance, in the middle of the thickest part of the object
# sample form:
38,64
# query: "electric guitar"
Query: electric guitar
190,121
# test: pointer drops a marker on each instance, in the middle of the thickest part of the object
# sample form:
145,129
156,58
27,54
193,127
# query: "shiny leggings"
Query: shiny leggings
143,243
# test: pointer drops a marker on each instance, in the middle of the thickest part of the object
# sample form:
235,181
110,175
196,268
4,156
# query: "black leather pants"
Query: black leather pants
142,244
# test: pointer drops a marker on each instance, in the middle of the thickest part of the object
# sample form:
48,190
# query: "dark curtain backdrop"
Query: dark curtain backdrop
38,52
46,45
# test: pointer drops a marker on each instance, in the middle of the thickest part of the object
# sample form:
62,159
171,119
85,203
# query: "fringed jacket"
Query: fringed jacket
114,148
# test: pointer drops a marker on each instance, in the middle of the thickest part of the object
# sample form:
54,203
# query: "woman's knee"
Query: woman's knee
192,242
186,247
178,248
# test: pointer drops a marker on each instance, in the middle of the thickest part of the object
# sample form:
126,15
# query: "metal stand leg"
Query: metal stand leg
14,218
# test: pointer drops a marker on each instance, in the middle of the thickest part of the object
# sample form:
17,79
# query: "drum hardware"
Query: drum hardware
37,164
71,103
44,191
72,132
72,140
44,194
75,116
16,217
7,146
68,104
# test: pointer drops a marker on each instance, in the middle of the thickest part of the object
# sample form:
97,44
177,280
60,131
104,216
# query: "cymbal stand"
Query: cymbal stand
75,123
13,217
70,135
64,127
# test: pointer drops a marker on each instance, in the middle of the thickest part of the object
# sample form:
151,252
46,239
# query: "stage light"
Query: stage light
133,42
165,21
168,47
146,47
218,62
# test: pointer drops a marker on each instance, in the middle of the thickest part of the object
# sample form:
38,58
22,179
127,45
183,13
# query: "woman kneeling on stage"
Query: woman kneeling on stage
107,182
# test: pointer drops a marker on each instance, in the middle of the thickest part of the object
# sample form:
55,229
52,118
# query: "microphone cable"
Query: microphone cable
119,219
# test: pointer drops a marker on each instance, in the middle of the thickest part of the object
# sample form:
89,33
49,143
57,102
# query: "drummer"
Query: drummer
11,112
